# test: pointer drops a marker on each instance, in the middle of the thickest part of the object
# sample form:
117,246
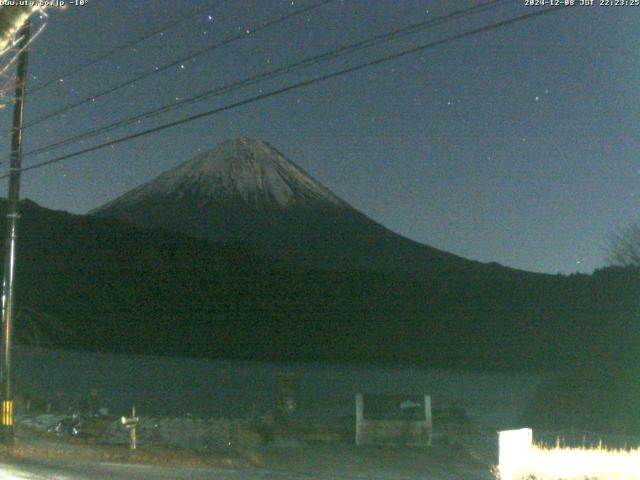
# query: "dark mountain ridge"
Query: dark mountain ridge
113,286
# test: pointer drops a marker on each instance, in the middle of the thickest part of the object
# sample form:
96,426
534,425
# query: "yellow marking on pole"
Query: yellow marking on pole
7,413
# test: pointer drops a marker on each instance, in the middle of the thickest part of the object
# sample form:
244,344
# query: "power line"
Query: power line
126,46
295,86
191,56
347,49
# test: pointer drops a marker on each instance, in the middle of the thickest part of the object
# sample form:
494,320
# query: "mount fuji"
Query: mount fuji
344,288
247,191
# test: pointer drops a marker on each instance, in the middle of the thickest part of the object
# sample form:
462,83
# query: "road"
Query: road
82,470
319,463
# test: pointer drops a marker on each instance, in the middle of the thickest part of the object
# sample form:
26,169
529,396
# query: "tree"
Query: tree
624,247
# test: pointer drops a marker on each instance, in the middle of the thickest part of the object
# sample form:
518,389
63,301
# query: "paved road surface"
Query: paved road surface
312,463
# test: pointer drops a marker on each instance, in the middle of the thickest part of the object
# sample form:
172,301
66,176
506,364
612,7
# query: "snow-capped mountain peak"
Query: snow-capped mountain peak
240,171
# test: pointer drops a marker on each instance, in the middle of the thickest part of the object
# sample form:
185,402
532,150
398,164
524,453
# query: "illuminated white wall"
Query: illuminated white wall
519,458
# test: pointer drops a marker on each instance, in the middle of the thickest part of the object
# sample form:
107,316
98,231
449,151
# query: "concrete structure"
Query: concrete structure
514,450
393,420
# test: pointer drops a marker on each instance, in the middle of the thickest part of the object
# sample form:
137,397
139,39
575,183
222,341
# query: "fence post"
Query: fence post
428,419
359,418
131,424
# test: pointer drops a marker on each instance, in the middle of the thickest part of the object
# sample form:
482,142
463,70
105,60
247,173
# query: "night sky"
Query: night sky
517,145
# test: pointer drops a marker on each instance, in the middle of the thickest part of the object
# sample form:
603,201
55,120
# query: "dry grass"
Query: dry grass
543,463
152,455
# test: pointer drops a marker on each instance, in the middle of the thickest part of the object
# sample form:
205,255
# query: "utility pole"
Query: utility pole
13,197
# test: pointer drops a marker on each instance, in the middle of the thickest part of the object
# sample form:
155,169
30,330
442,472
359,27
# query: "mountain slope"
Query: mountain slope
245,190
102,284
114,286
